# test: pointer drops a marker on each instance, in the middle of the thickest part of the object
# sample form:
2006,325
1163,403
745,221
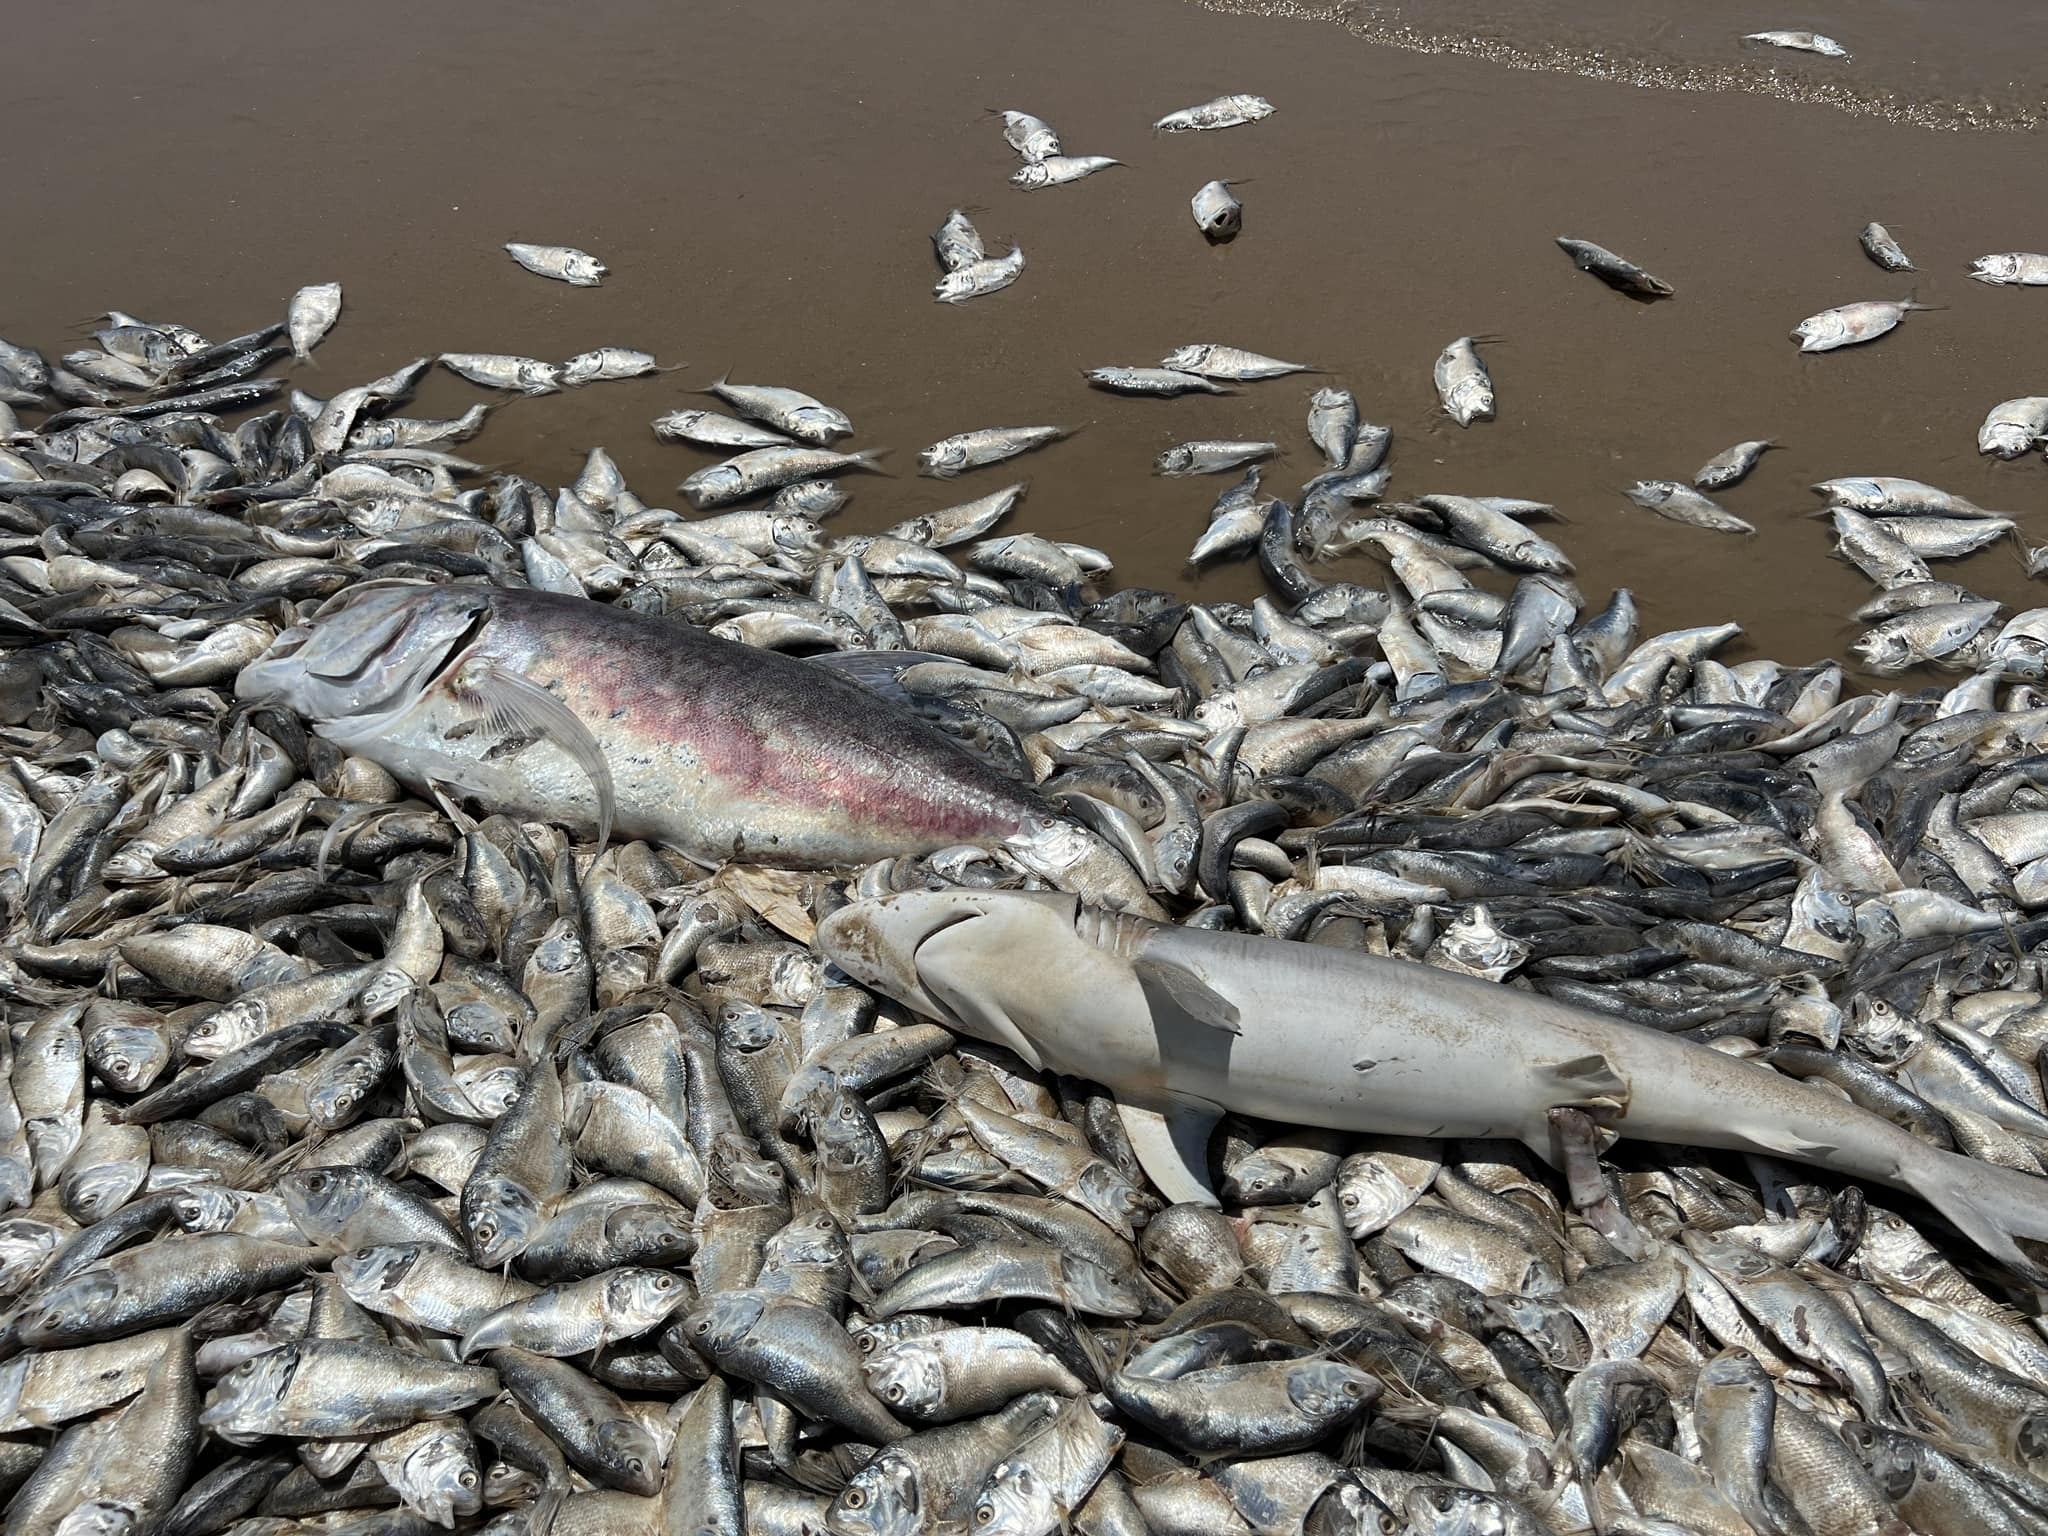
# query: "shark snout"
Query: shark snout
876,942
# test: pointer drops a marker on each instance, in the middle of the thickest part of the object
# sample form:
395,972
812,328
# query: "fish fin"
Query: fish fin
879,671
1173,1148
515,703
1591,1080
1191,995
2002,1211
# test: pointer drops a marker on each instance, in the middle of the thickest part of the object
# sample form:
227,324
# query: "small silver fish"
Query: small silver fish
1881,248
2025,269
1235,364
1218,215
977,278
1800,42
1682,504
1211,457
564,263
497,370
1851,324
958,242
1463,384
2014,426
1058,170
310,316
1151,381
1223,112
1032,137
1731,465
986,445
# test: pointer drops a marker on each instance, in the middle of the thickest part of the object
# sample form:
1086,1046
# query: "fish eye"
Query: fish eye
485,1232
1354,1389
984,1514
635,1465
855,1499
703,1327
894,1392
665,1282
466,1478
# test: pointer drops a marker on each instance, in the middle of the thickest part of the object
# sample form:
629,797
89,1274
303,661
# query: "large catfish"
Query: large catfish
568,710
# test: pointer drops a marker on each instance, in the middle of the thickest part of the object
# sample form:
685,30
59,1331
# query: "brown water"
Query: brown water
762,181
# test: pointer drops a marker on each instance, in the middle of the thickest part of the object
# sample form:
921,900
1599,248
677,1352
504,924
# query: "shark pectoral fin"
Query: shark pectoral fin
1190,994
1174,1149
1587,1082
516,705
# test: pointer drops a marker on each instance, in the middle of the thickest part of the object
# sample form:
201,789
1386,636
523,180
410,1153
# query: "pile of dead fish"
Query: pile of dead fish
446,1116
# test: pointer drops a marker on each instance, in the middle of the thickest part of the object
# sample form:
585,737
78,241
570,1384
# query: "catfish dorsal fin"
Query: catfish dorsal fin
1191,994
1173,1148
516,703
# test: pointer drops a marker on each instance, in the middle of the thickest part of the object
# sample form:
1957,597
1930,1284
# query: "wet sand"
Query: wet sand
763,181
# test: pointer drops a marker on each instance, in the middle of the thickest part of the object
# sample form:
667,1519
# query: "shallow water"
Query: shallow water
763,181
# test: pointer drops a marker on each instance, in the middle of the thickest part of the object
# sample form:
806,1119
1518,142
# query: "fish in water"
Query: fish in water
1614,270
1800,42
1462,383
1223,112
1849,324
564,263
1880,247
1185,1025
554,706
1218,213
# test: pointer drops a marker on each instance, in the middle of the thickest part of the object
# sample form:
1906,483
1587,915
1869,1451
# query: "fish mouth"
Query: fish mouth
369,651
876,942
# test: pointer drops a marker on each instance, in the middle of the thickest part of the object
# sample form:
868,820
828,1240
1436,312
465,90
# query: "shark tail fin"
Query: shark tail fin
2002,1211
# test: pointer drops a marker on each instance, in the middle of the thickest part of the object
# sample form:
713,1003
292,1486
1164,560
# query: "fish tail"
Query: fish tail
2002,1211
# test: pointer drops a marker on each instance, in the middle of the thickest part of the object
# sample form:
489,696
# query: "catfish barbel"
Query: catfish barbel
567,710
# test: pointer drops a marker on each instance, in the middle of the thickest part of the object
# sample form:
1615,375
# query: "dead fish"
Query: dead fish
987,445
1210,457
1682,504
990,275
1463,384
1218,214
1801,42
1031,137
1731,465
1850,324
1232,364
1881,248
1613,270
1164,382
2026,269
497,370
958,242
564,263
1223,112
2014,426
1058,170
310,316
